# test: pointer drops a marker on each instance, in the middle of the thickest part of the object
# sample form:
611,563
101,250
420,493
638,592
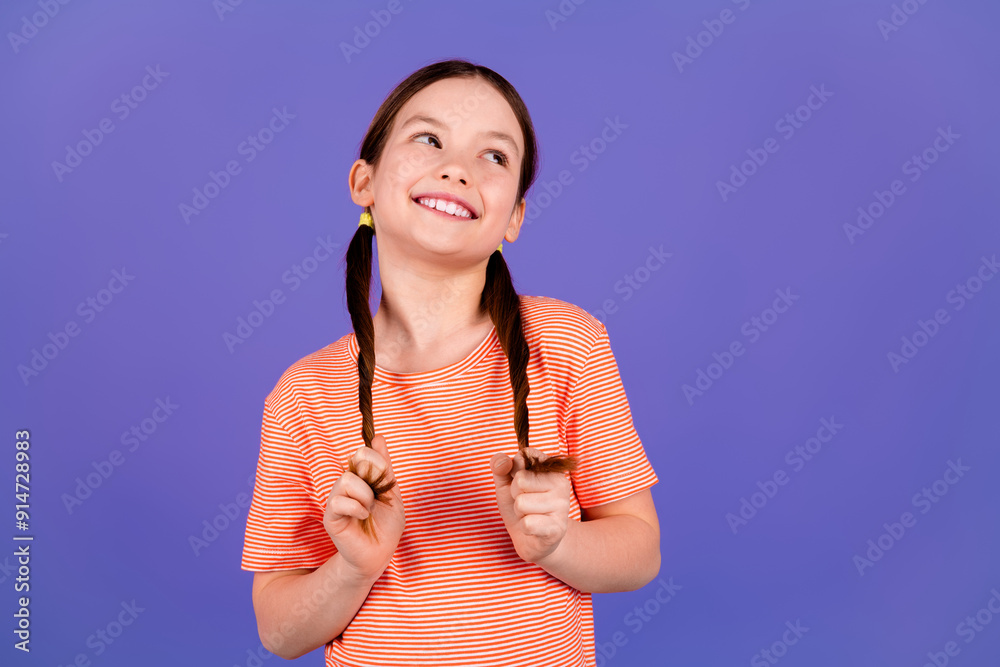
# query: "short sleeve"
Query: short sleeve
284,524
612,463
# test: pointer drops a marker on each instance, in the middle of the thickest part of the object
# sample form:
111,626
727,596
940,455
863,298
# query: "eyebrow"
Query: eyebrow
490,134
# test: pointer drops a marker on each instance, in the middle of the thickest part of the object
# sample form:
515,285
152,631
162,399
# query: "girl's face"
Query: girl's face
459,138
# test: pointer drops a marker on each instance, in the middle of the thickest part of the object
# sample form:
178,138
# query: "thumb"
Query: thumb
501,465
380,446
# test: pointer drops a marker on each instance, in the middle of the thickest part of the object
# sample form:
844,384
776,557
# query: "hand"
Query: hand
351,500
534,506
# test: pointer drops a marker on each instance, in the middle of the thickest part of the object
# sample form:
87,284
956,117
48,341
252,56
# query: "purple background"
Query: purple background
655,185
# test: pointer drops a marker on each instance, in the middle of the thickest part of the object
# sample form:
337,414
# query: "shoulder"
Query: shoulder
316,373
558,327
544,315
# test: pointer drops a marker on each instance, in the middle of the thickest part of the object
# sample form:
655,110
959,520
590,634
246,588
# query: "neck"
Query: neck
419,312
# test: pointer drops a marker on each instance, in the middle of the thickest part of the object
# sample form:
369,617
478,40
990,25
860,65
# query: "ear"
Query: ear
516,219
359,180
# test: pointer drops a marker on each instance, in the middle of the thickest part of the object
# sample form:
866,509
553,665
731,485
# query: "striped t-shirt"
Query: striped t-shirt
455,593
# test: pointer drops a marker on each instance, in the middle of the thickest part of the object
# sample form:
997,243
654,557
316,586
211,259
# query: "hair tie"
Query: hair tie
366,219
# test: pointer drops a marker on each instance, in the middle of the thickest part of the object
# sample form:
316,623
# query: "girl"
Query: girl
444,538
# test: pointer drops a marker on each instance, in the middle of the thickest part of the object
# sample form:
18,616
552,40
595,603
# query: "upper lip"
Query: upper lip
449,197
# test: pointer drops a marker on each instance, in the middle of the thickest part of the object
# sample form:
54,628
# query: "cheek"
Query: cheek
498,189
407,165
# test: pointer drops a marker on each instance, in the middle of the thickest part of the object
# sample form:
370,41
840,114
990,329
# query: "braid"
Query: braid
359,277
499,298
504,306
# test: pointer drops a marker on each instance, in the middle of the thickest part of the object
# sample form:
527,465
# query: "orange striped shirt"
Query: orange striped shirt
455,592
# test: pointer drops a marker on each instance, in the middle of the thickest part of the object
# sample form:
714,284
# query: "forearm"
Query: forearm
300,613
607,555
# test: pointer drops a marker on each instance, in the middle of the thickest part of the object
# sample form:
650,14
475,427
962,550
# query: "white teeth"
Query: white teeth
448,207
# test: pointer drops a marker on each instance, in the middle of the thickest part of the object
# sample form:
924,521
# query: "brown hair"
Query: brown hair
499,298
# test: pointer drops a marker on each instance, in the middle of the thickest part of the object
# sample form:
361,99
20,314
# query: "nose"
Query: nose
454,170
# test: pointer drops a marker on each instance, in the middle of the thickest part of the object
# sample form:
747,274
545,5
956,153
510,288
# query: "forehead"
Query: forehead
463,103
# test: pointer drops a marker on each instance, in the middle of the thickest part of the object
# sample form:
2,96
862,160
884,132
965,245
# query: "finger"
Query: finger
531,503
374,470
369,464
501,465
529,481
377,468
353,486
536,453
540,526
345,506
380,451
367,457
381,448
518,463
541,503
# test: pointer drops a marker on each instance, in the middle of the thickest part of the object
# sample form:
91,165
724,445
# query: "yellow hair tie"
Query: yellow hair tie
366,219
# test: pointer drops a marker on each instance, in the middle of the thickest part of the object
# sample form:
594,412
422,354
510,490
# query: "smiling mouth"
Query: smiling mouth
449,208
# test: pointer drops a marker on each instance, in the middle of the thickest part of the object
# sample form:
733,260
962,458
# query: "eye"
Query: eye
427,134
503,158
